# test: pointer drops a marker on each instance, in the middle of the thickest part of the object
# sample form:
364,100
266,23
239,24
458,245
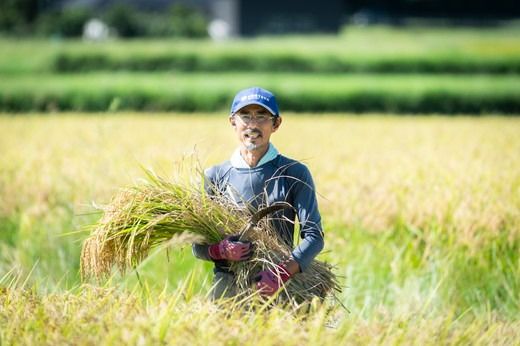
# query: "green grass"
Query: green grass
401,70
420,215
296,92
376,49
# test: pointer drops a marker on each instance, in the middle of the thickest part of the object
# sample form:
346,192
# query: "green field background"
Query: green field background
361,49
379,69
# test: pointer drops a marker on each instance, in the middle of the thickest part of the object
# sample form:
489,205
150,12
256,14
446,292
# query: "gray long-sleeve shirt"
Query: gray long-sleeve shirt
281,179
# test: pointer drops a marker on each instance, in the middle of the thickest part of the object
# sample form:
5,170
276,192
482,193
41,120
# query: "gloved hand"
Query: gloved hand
269,281
231,249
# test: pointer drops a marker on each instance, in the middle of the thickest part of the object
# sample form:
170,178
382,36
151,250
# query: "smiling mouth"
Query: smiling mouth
252,135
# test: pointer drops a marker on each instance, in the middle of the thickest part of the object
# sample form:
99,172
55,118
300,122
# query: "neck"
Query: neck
252,157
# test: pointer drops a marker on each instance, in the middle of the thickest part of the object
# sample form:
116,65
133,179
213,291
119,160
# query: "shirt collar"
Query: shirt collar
238,161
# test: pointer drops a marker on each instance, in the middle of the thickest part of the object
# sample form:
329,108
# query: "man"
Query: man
257,175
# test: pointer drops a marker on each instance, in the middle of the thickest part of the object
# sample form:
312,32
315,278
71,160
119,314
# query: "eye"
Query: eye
245,116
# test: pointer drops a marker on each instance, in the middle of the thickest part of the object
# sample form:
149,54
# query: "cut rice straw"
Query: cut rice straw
151,213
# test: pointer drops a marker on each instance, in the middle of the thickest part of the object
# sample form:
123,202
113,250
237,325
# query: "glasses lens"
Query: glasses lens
248,118
262,118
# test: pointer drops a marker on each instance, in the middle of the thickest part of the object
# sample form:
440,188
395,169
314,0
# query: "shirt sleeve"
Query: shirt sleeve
306,205
200,251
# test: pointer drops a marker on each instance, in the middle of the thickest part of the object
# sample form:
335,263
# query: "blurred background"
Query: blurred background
404,56
235,18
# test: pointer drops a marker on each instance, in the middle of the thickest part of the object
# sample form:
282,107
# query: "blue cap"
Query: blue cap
255,96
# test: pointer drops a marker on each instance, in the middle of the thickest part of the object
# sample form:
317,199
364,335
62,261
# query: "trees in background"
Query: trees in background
33,17
18,16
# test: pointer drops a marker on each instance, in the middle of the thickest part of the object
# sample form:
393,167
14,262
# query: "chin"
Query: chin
253,145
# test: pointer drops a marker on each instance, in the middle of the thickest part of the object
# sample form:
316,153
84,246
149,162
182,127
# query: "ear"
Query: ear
277,123
232,121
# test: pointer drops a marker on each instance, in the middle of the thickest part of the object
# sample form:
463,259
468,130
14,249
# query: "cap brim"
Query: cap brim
247,103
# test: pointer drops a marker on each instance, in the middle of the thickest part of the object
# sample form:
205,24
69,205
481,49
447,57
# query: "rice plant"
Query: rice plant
150,214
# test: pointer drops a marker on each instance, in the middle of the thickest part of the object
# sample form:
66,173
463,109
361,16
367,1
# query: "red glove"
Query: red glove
269,281
231,249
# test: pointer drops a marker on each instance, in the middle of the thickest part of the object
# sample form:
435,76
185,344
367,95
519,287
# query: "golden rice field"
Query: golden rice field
421,215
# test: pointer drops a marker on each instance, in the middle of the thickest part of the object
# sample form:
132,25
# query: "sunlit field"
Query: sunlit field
421,216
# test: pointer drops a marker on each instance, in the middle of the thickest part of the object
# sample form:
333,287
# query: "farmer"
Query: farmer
257,175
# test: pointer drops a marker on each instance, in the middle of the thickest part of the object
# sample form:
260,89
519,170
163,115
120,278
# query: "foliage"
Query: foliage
295,92
28,17
407,50
271,60
67,22
125,20
17,16
178,21
186,22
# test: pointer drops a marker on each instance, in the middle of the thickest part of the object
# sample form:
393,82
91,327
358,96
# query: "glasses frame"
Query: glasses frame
253,118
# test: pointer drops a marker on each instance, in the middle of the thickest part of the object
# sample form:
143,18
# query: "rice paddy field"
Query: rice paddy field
412,137
421,216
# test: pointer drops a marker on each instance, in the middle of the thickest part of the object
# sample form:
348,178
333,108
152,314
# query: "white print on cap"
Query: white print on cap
254,97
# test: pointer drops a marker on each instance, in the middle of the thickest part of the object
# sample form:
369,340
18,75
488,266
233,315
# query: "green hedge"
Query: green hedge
378,50
286,62
295,92
359,103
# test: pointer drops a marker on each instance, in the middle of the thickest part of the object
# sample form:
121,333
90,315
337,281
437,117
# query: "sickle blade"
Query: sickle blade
269,210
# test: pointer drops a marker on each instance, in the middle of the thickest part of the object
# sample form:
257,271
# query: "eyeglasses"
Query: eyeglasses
247,118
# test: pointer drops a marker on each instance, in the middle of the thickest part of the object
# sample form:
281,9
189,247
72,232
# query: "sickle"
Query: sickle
269,210
262,213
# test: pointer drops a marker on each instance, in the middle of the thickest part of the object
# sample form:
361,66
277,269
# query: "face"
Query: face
254,125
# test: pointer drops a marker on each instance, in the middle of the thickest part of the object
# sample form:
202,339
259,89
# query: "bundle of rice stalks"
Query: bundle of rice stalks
150,214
